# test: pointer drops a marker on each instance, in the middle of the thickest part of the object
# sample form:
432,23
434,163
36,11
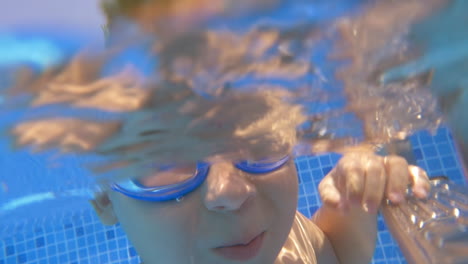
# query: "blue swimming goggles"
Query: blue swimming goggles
174,182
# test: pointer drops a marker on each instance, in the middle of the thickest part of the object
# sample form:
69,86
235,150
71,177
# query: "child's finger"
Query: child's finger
419,181
374,185
351,172
398,178
329,193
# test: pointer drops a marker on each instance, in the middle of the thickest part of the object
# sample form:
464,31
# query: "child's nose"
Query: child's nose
227,188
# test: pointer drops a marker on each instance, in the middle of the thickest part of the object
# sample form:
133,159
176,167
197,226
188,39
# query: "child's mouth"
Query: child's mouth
242,252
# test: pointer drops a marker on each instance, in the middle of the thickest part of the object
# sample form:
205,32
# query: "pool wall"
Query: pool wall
73,234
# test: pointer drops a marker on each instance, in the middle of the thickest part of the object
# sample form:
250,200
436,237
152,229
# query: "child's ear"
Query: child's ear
103,208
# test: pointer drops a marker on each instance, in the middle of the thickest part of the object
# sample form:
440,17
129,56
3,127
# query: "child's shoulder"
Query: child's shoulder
312,239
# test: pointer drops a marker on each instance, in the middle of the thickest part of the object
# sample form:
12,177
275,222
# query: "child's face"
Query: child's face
230,208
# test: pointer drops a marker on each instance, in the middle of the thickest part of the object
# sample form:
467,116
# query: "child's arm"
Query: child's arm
352,193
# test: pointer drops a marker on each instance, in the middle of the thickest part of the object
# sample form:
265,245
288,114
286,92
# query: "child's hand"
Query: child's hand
364,179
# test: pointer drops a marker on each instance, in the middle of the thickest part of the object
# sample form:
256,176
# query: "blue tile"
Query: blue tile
301,190
41,253
378,254
90,240
313,209
31,255
40,242
317,174
89,229
449,162
309,188
123,254
313,163
110,234
435,173
19,238
326,170
83,253
51,250
389,251
50,239
76,218
381,225
112,244
455,175
325,160
79,231
59,236
98,227
302,165
132,252
306,213
69,234
311,199
48,228
72,255
441,136
444,149
380,262
122,242
429,151
100,236
113,255
28,235
306,177
8,241
104,258
20,248
9,250
22,258
385,238
302,202
425,138
81,242
418,154
61,247
92,250
52,260
335,157
87,218
31,244
102,247
433,165
71,244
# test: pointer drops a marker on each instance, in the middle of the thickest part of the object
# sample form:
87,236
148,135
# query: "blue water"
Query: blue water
56,225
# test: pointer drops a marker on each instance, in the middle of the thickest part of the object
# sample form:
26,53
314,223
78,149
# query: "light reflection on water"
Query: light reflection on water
285,74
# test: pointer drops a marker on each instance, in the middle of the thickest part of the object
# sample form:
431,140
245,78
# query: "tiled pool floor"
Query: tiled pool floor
79,237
